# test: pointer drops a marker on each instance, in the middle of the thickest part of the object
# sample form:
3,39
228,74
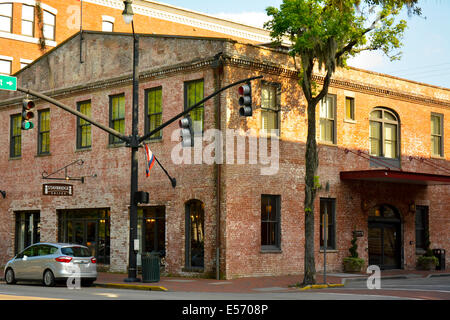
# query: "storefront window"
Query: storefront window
27,229
88,227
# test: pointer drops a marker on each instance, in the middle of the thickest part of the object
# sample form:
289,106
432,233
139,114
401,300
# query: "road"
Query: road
435,288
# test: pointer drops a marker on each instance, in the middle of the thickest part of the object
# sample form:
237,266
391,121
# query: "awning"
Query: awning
395,176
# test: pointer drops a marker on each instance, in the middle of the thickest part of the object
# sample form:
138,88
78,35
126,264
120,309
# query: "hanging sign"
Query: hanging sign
56,189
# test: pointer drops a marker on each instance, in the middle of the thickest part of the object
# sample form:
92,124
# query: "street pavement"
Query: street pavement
395,284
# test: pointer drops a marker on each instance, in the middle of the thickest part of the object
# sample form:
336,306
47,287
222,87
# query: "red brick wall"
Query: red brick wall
242,185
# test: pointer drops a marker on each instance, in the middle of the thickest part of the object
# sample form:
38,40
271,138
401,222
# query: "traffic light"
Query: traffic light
187,133
245,101
27,114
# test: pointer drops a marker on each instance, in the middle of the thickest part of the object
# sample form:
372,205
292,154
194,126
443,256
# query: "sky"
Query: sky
426,42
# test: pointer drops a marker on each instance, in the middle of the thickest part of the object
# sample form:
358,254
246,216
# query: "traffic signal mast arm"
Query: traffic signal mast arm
75,112
130,139
185,112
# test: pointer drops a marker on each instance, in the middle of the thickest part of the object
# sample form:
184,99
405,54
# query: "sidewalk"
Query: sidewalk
252,284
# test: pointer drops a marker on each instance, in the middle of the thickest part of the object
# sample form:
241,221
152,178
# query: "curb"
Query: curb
129,286
438,275
321,286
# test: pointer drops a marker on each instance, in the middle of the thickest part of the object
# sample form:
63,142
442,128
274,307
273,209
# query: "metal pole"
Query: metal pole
325,244
132,256
75,112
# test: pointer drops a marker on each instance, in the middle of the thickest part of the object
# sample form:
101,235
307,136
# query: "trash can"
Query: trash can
150,267
440,254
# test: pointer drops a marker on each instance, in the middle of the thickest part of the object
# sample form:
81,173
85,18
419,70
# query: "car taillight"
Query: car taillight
64,259
93,260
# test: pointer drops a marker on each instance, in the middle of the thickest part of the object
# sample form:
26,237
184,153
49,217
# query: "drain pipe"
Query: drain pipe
218,71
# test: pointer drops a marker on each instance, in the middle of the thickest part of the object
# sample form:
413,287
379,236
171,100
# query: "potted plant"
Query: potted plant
427,261
353,263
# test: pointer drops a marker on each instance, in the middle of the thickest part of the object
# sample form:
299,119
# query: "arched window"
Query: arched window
384,134
195,228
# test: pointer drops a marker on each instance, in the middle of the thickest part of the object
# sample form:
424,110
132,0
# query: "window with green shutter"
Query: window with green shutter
44,132
153,111
84,139
116,116
16,136
383,134
328,119
437,147
270,106
193,93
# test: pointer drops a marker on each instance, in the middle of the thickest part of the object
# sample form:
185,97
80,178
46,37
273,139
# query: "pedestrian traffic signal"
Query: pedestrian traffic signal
27,114
245,101
141,197
187,133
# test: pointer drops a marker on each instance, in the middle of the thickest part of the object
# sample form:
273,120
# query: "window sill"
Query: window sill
116,145
43,155
270,250
437,157
83,149
15,158
328,144
329,251
193,269
350,121
420,251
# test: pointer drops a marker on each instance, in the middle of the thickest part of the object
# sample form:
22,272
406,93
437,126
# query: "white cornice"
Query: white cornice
201,20
19,37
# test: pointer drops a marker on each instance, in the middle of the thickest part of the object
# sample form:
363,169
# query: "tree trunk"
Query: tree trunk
311,164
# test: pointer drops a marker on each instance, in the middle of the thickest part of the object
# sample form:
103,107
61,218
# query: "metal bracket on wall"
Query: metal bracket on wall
79,162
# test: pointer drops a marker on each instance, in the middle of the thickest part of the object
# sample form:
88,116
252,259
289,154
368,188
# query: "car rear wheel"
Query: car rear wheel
49,278
10,278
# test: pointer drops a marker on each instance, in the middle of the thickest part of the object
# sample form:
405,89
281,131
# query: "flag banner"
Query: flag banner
150,160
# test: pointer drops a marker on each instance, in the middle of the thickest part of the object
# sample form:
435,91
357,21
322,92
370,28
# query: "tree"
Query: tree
323,34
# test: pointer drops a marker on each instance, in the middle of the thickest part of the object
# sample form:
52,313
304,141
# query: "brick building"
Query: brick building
23,38
247,210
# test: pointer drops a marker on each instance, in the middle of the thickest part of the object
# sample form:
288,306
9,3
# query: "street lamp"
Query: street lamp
134,144
127,12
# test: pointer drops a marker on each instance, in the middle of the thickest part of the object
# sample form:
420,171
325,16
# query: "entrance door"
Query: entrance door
384,238
195,220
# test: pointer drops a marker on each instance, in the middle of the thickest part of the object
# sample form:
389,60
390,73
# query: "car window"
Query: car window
29,252
76,251
45,250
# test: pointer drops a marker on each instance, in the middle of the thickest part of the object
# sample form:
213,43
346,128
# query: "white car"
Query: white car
51,262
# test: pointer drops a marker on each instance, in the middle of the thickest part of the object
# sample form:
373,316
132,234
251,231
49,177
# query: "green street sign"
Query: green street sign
8,83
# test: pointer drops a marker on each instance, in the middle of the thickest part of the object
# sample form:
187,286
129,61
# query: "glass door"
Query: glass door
375,246
384,246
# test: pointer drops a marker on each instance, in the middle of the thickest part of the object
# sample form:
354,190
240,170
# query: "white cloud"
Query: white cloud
255,19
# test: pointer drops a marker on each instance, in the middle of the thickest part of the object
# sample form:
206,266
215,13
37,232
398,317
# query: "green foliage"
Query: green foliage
354,248
317,184
328,32
354,263
427,262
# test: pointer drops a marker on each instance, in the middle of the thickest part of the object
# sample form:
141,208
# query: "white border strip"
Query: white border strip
19,37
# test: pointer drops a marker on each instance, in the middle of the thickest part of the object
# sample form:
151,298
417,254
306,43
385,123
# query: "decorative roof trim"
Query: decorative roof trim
191,21
338,83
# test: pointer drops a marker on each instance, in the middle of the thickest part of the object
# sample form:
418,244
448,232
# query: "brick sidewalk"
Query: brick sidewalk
251,284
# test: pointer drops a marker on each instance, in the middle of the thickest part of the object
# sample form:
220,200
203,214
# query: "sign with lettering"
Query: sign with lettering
56,189
358,233
8,83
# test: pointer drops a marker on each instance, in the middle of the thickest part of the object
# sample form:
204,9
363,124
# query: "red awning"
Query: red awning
396,177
